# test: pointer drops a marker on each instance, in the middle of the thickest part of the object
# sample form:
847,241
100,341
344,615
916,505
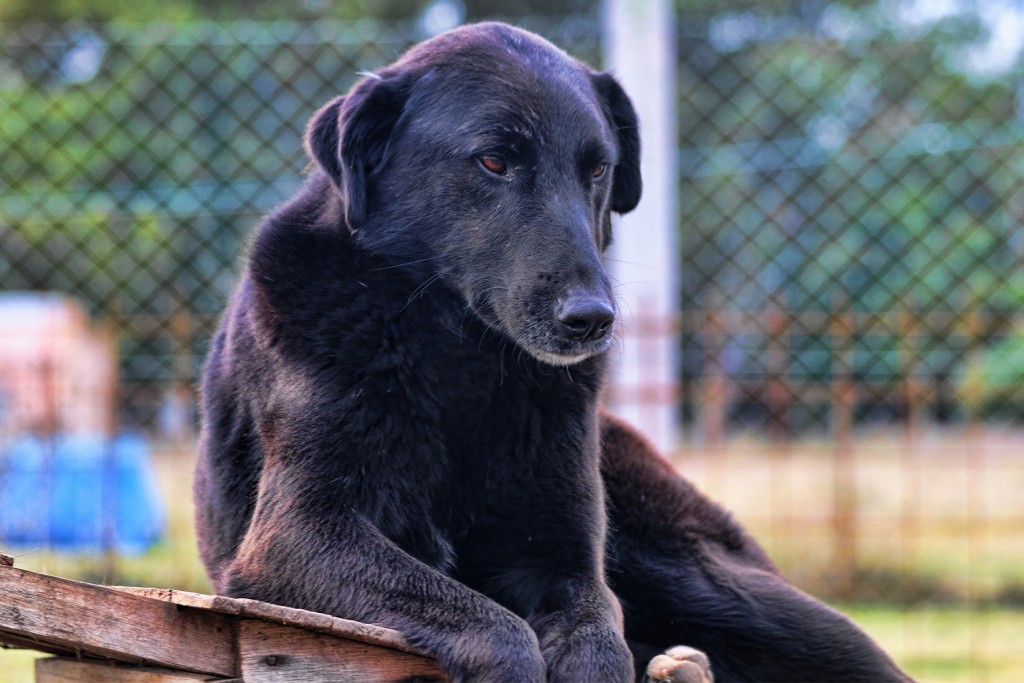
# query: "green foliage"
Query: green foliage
993,381
95,10
58,201
268,10
948,645
863,166
872,169
169,10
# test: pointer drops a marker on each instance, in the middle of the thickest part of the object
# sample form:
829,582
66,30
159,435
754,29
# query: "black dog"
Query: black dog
400,410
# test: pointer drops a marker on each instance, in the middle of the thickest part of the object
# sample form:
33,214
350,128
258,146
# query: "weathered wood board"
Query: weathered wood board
148,635
81,618
271,653
279,614
67,670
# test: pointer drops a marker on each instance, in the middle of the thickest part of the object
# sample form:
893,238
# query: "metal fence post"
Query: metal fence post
844,466
640,51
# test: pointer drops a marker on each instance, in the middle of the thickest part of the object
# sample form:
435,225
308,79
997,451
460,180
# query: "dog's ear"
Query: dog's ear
348,138
323,138
622,117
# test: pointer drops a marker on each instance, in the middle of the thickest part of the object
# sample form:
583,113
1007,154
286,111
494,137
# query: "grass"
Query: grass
939,539
17,666
947,644
938,515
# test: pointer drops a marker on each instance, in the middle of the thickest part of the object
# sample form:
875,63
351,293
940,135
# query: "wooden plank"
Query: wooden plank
82,618
279,614
67,670
8,641
271,653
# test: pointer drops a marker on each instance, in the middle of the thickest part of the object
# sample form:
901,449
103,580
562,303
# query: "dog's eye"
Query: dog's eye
599,170
494,164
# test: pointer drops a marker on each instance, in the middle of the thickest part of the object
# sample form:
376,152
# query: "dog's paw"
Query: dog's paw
680,664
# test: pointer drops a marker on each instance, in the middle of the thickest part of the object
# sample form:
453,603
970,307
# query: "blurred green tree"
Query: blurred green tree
851,156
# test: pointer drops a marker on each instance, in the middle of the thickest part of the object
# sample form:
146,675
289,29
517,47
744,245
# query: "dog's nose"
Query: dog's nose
586,318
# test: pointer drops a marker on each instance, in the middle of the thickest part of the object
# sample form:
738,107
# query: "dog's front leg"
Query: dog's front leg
543,557
294,554
582,640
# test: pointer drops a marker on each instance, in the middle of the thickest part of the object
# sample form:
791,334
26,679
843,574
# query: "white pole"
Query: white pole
640,52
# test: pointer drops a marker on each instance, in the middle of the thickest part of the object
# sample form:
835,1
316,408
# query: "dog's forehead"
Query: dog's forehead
491,45
496,79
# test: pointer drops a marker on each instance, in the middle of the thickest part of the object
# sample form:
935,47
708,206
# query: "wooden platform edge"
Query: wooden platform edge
52,614
150,635
280,614
71,670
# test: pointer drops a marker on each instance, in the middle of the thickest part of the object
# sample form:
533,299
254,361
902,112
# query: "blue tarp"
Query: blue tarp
81,493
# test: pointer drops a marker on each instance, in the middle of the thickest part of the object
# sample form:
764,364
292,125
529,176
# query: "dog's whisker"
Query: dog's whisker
422,287
624,262
480,344
628,310
407,263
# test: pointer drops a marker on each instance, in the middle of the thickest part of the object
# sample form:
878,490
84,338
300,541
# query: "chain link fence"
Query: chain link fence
137,158
851,215
848,207
852,257
851,293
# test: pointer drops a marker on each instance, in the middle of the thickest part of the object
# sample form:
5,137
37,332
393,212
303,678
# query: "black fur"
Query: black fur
400,410
686,572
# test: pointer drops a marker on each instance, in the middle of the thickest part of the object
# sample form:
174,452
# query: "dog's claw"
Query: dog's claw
680,664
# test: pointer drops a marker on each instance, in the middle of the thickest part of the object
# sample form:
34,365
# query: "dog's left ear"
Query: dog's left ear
348,138
627,184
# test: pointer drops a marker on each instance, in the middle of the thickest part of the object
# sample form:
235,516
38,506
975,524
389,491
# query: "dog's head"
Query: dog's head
488,158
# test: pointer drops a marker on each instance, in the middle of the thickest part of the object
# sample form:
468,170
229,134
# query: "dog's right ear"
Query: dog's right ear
348,138
627,184
323,138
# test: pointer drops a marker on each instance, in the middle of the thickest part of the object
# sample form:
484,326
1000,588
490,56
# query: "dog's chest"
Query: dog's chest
503,423
483,410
